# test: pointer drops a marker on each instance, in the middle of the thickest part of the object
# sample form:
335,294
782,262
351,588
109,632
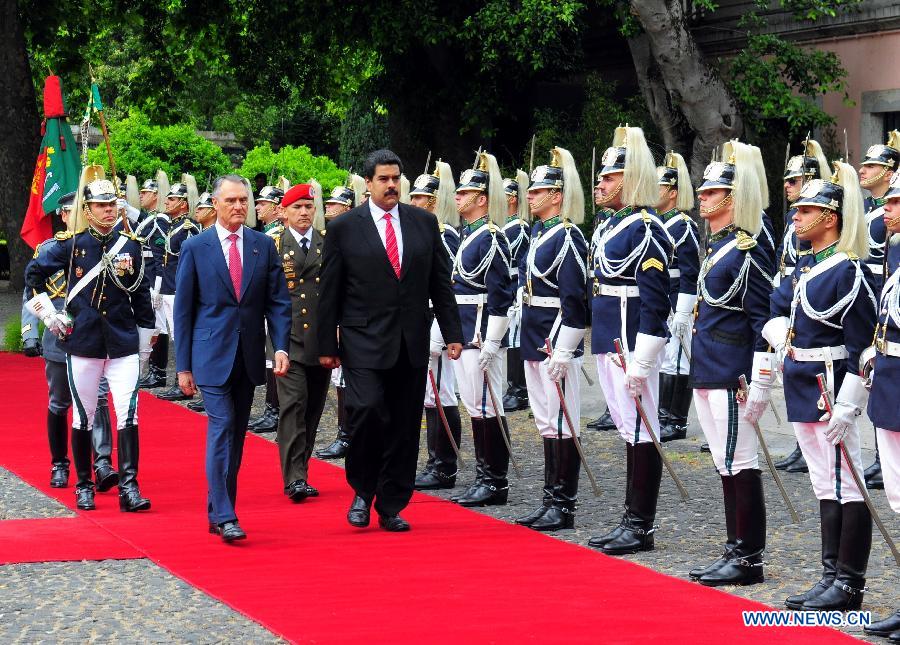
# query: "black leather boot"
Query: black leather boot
791,458
599,541
516,397
830,519
440,471
337,449
494,487
679,408
430,426
745,566
884,627
81,455
728,497
58,435
603,423
130,499
666,389
478,444
637,534
561,514
101,436
846,592
872,474
551,465
159,359
268,420
798,466
174,393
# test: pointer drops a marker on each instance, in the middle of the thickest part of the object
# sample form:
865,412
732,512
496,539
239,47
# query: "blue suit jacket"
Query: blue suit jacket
209,319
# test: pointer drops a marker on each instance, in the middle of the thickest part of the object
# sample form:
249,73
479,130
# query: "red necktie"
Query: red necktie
390,243
234,265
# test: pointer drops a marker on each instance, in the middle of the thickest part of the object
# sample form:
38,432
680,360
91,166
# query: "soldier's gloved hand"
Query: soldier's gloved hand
155,298
489,351
643,359
683,319
130,211
849,404
558,363
58,325
146,339
762,377
32,347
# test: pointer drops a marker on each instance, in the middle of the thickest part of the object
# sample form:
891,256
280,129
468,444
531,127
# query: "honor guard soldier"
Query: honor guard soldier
822,320
342,199
553,311
271,214
732,306
800,170
676,199
884,405
517,231
875,174
60,398
181,201
484,294
153,228
106,327
630,300
435,193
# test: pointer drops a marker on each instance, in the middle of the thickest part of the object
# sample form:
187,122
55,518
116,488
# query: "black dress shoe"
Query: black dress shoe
673,432
213,528
336,450
872,475
895,637
799,466
155,378
311,491
174,393
704,447
105,476
131,501
196,406
514,402
231,531
393,523
358,515
84,499
604,423
791,458
59,476
885,627
296,491
434,480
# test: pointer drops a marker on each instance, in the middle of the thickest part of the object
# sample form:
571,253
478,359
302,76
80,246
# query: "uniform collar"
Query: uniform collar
550,223
477,224
670,214
827,252
721,234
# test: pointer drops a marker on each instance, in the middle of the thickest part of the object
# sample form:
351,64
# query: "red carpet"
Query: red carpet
309,577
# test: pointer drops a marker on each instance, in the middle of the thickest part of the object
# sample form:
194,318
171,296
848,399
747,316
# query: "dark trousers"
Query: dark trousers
384,414
301,393
228,410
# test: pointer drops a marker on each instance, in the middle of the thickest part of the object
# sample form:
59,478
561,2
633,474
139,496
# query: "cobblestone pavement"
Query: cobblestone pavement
690,533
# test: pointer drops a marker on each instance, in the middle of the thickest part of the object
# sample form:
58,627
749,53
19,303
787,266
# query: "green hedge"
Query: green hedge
298,164
12,334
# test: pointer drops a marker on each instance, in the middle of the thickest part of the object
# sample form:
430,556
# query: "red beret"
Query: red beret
300,191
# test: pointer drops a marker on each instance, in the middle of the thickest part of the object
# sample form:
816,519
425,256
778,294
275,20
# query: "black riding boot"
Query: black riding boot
637,534
666,389
440,471
601,540
516,397
830,520
682,394
874,478
745,566
494,487
337,448
159,359
728,496
101,437
791,458
561,514
130,499
81,455
846,592
551,466
58,435
885,627
478,444
603,423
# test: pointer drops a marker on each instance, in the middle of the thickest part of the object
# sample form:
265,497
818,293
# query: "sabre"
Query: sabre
796,518
587,377
504,427
427,163
787,158
565,410
440,409
829,407
531,160
617,343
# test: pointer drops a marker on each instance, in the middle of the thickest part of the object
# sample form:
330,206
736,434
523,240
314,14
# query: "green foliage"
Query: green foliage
298,164
12,334
141,149
363,129
816,9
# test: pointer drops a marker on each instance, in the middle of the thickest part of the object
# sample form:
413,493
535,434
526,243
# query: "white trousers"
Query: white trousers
168,307
543,398
675,361
472,388
889,450
337,377
828,470
84,381
621,404
732,441
446,383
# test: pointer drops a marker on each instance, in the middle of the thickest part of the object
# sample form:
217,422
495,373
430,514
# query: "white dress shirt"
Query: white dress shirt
223,234
299,237
381,225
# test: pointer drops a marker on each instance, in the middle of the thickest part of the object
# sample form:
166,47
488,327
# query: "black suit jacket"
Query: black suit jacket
374,309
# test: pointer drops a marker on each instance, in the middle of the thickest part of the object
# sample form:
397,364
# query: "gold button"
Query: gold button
104,313
317,279
303,311
305,325
301,280
709,250
303,295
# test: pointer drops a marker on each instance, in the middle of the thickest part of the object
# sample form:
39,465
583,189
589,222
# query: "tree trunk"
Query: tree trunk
694,89
20,134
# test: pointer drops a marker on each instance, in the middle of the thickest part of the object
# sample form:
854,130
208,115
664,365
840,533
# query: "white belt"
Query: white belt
876,269
477,299
819,354
541,301
889,348
627,292
788,270
513,272
674,273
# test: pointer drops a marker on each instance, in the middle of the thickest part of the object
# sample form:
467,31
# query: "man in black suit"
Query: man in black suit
382,262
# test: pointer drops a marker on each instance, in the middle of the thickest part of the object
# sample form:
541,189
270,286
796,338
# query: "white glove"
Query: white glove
489,351
496,328
59,324
561,358
682,321
155,298
130,211
146,338
762,377
775,332
850,402
643,359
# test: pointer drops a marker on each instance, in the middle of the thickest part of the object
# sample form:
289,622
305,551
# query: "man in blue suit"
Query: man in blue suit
229,282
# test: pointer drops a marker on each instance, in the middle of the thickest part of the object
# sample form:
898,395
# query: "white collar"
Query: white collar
223,232
378,212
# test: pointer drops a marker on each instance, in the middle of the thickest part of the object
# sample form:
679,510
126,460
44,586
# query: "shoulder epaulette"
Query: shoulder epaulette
744,241
645,215
322,232
36,250
686,217
492,227
852,256
441,227
273,232
131,236
63,235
